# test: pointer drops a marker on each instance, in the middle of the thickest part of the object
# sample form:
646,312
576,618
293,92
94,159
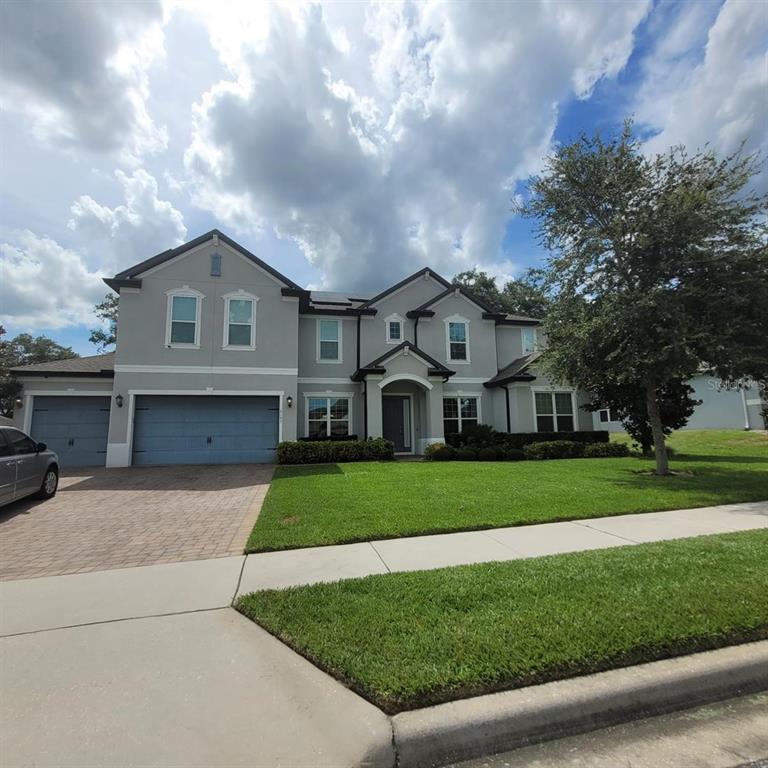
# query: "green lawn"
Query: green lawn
338,503
411,639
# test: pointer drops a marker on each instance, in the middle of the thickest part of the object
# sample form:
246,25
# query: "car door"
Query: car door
29,475
7,470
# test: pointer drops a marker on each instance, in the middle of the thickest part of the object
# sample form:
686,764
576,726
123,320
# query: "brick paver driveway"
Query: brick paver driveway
119,518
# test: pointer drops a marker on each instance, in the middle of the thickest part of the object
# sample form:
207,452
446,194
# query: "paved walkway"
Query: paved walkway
302,566
121,518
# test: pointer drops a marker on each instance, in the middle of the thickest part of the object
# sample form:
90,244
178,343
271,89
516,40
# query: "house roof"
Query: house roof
397,286
435,367
130,277
423,310
515,371
100,366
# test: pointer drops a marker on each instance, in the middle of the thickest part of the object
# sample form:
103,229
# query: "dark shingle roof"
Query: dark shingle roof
515,371
436,368
95,365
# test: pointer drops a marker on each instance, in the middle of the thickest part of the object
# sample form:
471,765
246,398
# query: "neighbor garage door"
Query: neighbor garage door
75,427
200,429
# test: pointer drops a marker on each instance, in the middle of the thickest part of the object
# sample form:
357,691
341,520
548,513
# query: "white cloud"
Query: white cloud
43,285
718,98
395,141
128,233
78,72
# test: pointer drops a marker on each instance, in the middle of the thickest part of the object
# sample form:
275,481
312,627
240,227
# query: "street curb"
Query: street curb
498,722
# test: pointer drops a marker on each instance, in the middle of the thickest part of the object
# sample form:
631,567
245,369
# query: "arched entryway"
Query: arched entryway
403,413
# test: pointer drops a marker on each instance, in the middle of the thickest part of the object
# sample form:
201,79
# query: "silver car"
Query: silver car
26,467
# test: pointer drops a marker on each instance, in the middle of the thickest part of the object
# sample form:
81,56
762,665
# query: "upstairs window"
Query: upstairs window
329,341
605,415
240,321
457,332
394,328
183,321
530,341
554,412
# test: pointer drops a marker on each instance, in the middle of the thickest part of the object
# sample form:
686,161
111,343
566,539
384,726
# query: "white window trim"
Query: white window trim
317,341
327,396
394,319
459,395
242,296
523,329
447,321
552,390
610,419
187,292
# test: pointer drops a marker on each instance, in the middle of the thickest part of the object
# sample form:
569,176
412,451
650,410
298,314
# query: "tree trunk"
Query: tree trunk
654,416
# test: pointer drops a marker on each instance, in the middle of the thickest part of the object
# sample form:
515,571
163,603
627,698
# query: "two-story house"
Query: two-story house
219,357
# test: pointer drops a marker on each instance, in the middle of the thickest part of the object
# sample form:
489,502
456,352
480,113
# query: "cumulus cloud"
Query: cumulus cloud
394,135
79,72
44,285
718,98
131,232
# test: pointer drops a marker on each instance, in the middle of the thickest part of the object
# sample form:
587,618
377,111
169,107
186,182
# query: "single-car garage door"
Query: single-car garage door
75,427
205,429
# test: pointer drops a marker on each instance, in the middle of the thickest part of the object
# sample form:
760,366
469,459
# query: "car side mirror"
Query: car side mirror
41,447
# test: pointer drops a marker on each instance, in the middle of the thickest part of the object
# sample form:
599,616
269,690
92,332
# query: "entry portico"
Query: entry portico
404,397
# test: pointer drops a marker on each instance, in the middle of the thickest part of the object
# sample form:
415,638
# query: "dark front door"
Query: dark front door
396,418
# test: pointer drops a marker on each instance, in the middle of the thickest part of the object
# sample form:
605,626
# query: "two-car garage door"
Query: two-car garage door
204,429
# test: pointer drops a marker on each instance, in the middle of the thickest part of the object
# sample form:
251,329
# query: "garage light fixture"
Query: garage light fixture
119,400
289,400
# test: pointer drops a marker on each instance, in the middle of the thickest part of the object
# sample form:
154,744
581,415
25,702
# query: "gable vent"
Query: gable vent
215,265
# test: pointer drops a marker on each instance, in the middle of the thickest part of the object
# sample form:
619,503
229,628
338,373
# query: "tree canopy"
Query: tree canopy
24,349
107,312
525,295
658,268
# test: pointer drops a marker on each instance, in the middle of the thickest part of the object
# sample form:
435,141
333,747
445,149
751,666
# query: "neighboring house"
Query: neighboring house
219,357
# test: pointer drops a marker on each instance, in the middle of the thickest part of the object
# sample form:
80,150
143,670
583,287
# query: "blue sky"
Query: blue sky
346,144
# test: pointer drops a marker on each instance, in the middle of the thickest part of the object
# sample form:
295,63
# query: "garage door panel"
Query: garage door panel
75,427
204,429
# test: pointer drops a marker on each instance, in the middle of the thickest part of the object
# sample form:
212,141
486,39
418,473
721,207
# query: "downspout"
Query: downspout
365,409
744,405
357,367
509,419
416,332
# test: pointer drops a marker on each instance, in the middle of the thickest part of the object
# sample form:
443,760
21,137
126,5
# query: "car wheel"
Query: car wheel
50,484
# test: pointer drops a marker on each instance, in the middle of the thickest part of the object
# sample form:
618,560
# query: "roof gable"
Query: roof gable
404,282
132,276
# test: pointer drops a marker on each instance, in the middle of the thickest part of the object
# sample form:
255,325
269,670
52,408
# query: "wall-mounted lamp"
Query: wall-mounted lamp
289,400
119,400
19,402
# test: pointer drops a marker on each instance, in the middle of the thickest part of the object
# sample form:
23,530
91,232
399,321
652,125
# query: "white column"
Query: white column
373,403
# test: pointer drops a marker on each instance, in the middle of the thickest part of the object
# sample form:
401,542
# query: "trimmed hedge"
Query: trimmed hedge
439,452
605,450
554,449
335,438
334,451
483,435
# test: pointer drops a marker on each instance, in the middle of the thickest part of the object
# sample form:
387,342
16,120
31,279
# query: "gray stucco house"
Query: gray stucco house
220,356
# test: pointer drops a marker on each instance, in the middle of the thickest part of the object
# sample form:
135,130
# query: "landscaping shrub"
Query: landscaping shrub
466,454
333,451
335,438
554,449
605,450
483,435
489,453
439,452
512,454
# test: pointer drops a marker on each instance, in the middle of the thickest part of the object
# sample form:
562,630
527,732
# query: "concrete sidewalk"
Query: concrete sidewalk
275,570
34,605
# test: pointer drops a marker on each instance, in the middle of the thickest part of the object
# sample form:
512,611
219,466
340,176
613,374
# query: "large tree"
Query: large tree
659,266
24,349
524,295
106,311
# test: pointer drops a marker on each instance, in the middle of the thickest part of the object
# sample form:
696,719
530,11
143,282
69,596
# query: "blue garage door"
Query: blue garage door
199,429
75,427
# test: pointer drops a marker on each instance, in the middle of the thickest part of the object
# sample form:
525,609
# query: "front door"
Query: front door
396,418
